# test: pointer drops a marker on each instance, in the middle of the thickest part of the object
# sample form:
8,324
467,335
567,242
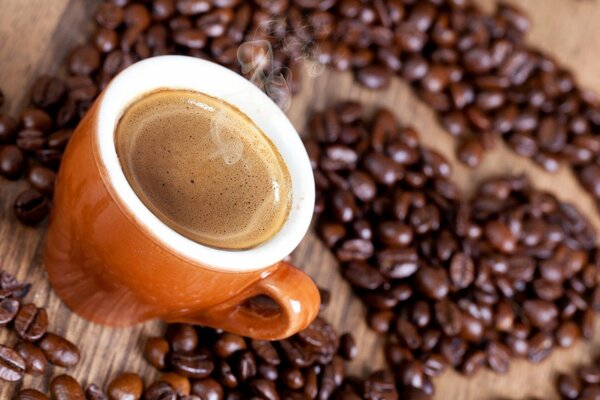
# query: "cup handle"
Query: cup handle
293,291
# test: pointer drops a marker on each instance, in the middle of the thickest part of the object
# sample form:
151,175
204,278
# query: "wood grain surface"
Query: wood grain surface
35,35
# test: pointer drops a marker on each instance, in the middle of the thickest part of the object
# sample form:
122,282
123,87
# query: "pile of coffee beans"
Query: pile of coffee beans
511,273
473,68
585,385
36,347
196,363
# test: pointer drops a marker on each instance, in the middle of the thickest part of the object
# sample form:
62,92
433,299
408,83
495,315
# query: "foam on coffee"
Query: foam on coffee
204,168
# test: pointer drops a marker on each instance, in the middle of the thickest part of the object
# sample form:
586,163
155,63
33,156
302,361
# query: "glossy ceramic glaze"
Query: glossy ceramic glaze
109,267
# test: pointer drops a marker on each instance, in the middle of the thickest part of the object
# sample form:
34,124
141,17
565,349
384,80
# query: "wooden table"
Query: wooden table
35,35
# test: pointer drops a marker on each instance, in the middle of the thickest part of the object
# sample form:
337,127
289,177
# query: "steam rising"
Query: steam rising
229,144
258,64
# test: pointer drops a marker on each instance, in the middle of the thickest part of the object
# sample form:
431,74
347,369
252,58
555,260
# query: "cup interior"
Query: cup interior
181,72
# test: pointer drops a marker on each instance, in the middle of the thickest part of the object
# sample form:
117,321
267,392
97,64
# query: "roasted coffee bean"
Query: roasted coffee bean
228,344
8,128
179,383
59,351
208,389
568,386
35,360
348,349
125,386
93,392
8,310
47,91
12,162
264,389
42,179
155,352
182,338
470,151
31,322
36,119
31,140
12,365
374,77
109,15
65,387
192,365
160,391
31,394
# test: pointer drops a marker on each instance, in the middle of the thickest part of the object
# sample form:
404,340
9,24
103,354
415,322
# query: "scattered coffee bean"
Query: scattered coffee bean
31,322
155,351
35,360
31,207
125,387
59,351
12,162
65,387
31,394
12,365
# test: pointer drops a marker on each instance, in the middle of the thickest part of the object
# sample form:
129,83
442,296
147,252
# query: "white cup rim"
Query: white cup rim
182,72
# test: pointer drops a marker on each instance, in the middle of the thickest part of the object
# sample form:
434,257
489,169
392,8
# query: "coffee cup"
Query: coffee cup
114,262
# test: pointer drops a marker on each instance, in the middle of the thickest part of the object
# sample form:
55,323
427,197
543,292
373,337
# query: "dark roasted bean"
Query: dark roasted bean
35,360
65,387
31,394
31,322
59,351
125,386
12,365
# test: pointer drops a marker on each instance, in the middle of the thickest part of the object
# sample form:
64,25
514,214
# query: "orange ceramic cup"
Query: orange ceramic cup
114,262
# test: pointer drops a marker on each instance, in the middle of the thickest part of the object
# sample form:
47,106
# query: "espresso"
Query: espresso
204,168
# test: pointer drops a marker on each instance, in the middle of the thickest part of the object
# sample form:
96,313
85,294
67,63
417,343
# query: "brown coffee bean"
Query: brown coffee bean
569,386
541,314
8,310
155,352
93,392
374,77
208,389
42,179
47,91
192,365
84,60
540,347
473,363
228,344
433,282
109,15
180,384
36,119
8,128
12,365
498,357
12,162
31,322
182,338
31,394
191,38
65,387
160,391
500,236
31,140
470,152
348,349
59,351
125,386
265,351
35,360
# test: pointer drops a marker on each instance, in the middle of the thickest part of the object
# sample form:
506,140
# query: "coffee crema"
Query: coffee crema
204,169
